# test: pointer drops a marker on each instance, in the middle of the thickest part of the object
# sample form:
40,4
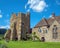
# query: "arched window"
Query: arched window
39,30
45,30
54,31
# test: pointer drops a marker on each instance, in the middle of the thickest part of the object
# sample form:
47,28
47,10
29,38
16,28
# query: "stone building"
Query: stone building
48,30
19,26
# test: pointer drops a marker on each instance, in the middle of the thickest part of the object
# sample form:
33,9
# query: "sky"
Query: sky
38,9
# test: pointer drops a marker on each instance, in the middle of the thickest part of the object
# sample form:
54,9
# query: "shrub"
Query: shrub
35,37
3,46
0,38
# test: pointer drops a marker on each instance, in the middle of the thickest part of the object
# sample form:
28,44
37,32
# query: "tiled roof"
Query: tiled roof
58,18
42,23
46,22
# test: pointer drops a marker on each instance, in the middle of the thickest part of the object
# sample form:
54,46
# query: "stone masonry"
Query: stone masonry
19,26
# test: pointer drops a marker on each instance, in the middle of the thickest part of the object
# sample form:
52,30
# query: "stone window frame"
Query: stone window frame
39,30
45,30
55,34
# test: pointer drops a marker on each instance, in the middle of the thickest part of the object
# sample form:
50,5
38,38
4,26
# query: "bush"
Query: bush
0,38
30,37
35,37
3,46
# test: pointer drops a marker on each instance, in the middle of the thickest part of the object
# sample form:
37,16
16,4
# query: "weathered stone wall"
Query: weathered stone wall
19,25
48,36
58,31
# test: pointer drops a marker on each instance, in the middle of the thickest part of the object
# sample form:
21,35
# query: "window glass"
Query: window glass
45,30
39,30
54,31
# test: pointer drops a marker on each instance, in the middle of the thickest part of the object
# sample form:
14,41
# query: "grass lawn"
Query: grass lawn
31,44
1,35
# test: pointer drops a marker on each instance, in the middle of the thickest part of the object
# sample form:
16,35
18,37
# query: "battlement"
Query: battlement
19,25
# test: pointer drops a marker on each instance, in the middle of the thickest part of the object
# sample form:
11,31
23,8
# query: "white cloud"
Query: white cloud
50,16
7,26
36,5
0,16
25,6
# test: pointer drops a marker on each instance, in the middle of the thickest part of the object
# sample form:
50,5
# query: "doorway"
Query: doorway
43,39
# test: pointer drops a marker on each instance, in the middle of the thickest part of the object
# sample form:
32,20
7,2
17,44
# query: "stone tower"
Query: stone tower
19,26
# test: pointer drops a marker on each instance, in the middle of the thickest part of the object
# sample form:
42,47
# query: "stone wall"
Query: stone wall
19,25
48,36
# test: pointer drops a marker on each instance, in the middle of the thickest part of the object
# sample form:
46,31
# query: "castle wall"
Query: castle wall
22,26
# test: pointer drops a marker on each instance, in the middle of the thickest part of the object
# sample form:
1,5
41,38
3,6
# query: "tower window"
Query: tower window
22,24
46,31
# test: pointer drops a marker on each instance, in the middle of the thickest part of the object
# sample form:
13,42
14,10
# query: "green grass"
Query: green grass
1,35
31,44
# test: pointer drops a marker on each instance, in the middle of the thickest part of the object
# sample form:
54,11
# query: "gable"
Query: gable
48,22
54,23
43,22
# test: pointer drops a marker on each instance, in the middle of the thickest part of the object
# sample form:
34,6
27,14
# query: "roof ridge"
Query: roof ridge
42,22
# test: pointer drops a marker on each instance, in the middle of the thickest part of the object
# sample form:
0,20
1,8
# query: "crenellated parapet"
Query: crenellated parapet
19,25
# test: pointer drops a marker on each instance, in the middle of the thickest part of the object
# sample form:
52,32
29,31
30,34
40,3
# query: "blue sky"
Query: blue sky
38,9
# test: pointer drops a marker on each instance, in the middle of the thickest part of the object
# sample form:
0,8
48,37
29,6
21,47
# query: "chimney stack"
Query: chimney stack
53,14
